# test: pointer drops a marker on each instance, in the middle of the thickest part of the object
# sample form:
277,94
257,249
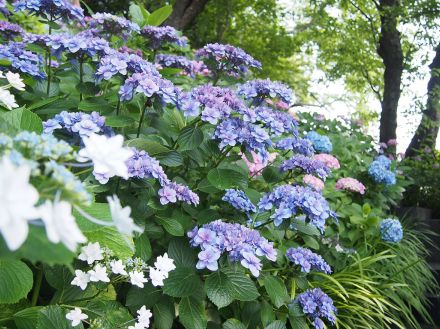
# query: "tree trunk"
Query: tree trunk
184,13
390,50
427,131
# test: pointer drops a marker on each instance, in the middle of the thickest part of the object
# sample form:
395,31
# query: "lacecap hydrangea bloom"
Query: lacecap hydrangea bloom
307,165
52,9
259,90
321,144
288,201
158,36
240,243
188,67
317,305
391,230
227,59
380,171
350,184
307,260
239,200
113,25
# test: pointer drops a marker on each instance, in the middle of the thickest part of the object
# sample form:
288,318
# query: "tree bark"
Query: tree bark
427,131
390,50
184,13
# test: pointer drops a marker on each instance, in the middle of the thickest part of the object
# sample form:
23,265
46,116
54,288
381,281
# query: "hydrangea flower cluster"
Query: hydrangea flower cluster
317,305
297,145
150,86
52,9
104,264
291,200
115,62
158,36
7,99
172,191
239,200
21,59
228,59
306,164
350,184
113,25
329,160
239,242
259,90
313,182
77,124
307,260
77,46
321,144
278,122
189,67
380,171
9,31
391,230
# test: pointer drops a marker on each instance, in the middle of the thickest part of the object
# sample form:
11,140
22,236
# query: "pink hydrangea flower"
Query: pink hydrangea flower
314,182
257,166
350,184
329,160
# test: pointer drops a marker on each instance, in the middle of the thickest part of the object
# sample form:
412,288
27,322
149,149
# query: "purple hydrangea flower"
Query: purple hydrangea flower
189,67
290,201
317,305
307,260
228,59
259,90
10,31
77,123
21,59
158,36
307,165
167,195
51,9
239,200
297,145
109,24
240,243
3,8
278,122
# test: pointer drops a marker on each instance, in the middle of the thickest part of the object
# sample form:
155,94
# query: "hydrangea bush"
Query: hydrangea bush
144,184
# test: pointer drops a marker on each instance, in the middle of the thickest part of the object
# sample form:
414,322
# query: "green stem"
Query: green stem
37,288
118,107
147,104
49,65
81,73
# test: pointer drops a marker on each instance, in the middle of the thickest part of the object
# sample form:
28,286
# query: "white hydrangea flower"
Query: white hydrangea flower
60,224
8,99
118,267
99,273
15,81
121,217
137,326
81,279
107,154
76,316
164,264
90,253
144,316
157,277
137,278
17,202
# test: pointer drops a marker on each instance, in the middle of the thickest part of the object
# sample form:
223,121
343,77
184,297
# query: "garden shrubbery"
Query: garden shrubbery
144,184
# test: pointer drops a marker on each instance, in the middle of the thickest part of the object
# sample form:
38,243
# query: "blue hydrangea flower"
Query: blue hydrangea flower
240,243
51,9
22,60
158,36
391,230
227,59
259,90
317,305
278,122
42,146
290,201
189,67
380,171
239,200
297,145
307,165
307,260
110,25
321,144
3,8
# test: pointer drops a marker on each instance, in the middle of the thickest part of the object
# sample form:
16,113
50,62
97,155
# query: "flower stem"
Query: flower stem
81,73
37,288
118,107
49,65
147,104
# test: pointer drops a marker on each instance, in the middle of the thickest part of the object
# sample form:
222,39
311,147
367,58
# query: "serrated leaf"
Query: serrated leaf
277,291
171,225
27,318
190,138
311,242
109,237
181,252
278,324
119,121
16,280
53,317
182,282
159,16
233,324
163,313
298,322
21,119
170,159
143,247
241,287
226,178
217,289
306,228
192,313
151,147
